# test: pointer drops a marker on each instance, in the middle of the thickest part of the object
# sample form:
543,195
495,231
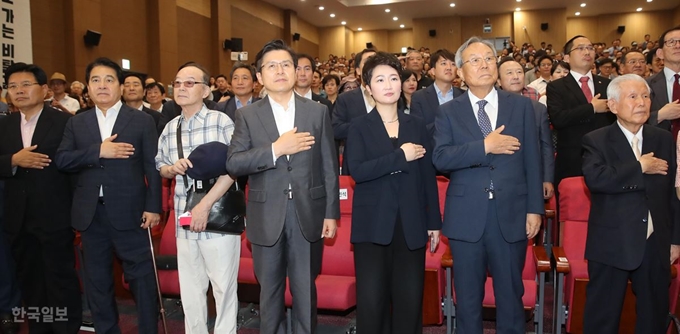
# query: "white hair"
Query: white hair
614,88
78,83
471,40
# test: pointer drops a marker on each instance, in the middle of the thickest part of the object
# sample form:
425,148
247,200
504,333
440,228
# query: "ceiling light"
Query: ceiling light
518,9
343,23
649,0
321,8
639,9
360,29
395,18
387,10
452,5
583,4
577,13
519,0
332,15
401,26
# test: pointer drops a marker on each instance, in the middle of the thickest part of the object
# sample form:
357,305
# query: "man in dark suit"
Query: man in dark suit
285,144
133,95
9,290
38,198
415,63
577,104
111,149
352,104
494,201
634,228
242,81
511,79
666,84
303,85
426,102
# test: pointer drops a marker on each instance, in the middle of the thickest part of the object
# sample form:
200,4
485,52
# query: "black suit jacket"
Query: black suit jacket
545,142
622,195
158,119
229,106
572,118
45,190
657,83
124,181
348,106
387,185
425,103
324,101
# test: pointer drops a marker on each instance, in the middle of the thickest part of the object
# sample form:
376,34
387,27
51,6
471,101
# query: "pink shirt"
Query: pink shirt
28,128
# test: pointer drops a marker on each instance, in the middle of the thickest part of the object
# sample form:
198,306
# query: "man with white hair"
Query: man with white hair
629,168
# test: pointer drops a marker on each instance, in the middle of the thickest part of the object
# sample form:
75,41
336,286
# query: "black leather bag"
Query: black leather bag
228,213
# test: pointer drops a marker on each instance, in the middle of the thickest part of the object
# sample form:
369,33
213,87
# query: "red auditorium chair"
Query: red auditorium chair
336,285
571,269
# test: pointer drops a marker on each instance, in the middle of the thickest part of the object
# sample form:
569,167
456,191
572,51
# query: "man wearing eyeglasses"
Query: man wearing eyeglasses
666,84
111,149
487,140
37,203
577,104
634,62
284,142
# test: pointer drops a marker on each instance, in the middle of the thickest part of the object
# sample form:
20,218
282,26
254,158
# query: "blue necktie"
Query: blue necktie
484,121
485,126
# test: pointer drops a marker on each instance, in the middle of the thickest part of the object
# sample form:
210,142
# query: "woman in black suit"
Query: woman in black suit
395,206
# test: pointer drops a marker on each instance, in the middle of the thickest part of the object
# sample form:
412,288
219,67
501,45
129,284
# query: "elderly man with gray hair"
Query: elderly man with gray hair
633,228
487,140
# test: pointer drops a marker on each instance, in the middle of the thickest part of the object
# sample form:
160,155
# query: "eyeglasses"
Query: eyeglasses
633,62
671,42
22,85
187,84
583,48
476,62
273,65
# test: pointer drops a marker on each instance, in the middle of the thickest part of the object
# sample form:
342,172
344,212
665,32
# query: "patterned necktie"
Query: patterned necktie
636,151
483,118
485,126
675,124
585,88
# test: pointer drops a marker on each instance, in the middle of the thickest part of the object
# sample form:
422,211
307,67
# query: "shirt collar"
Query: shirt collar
578,76
669,74
491,98
439,92
111,112
307,95
199,116
34,119
629,135
239,105
291,103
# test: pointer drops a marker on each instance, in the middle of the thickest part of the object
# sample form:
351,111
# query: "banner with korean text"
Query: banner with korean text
17,45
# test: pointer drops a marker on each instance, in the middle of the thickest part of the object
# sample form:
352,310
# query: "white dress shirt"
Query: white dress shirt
591,84
28,128
106,125
363,96
491,107
670,79
284,117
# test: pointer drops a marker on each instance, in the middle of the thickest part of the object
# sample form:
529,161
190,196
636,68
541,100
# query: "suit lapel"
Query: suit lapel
620,144
16,141
600,86
467,115
649,141
124,117
505,109
266,116
42,127
93,124
432,98
381,139
405,131
574,88
659,90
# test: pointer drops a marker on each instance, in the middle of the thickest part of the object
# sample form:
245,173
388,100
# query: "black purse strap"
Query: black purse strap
180,153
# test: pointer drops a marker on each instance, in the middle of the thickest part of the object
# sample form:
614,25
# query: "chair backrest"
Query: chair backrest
529,271
246,247
442,185
574,239
346,194
168,239
574,199
338,252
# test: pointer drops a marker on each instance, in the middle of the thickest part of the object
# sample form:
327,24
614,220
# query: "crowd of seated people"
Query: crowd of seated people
397,121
